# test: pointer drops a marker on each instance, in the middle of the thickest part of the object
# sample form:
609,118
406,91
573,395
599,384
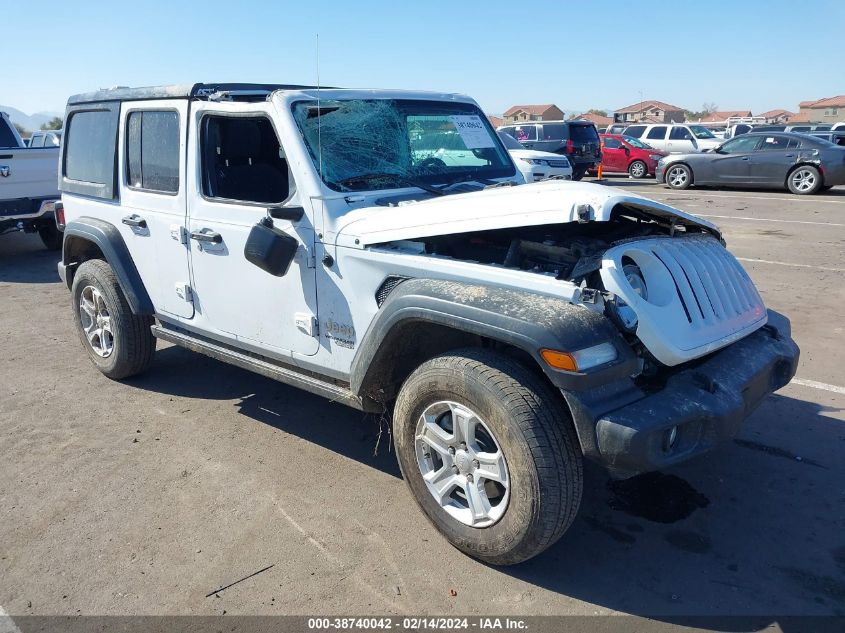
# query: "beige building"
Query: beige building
542,112
650,112
827,110
724,115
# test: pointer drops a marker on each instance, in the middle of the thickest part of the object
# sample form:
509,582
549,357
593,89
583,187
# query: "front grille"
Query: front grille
698,297
558,163
710,282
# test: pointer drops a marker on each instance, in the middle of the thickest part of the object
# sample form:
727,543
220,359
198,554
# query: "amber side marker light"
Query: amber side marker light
559,360
581,359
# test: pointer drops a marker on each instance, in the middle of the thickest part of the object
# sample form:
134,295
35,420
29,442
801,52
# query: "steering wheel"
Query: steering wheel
432,164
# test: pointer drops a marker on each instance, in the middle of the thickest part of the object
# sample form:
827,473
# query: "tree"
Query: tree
22,130
706,108
595,111
55,123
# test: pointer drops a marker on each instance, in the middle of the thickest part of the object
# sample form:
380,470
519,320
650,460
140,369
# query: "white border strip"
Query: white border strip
769,261
693,193
739,217
818,385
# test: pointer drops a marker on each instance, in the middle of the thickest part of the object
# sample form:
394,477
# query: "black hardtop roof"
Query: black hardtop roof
179,91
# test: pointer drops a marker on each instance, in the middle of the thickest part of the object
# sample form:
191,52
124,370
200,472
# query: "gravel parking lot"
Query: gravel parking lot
144,497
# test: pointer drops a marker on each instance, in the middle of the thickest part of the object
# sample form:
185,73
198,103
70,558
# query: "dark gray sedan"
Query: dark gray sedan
803,164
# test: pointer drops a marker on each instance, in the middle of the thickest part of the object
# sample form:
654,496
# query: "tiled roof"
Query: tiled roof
826,102
599,120
495,121
530,109
773,113
645,105
713,117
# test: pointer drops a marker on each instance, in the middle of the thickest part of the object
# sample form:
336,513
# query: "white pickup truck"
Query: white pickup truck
28,186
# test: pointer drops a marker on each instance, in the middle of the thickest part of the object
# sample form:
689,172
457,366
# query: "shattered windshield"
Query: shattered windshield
363,144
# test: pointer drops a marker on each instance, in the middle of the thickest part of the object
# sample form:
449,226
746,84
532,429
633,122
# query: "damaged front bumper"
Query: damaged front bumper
696,409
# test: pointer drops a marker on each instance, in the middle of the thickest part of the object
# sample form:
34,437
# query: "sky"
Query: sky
749,54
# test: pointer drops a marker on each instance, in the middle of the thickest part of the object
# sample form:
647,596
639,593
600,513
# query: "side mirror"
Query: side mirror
269,248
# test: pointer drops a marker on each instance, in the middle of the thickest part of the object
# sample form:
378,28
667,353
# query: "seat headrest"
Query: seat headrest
240,138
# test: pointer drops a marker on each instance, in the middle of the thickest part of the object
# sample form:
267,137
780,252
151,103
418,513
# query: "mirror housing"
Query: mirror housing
281,212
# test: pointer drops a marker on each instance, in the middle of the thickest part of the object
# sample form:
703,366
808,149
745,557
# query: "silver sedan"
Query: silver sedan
803,164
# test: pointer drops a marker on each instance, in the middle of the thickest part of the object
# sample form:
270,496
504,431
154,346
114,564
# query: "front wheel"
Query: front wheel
118,341
489,454
678,177
637,169
804,180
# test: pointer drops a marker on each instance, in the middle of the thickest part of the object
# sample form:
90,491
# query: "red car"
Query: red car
628,154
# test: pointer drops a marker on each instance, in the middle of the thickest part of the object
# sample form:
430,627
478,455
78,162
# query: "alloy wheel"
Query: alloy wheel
462,464
677,176
96,321
803,180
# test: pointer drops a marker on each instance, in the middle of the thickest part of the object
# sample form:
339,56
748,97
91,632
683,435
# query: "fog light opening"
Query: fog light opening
670,437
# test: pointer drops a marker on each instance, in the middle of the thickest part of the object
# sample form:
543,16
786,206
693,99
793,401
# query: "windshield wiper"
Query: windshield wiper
398,177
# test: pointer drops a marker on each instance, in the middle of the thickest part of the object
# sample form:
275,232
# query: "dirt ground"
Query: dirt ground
145,496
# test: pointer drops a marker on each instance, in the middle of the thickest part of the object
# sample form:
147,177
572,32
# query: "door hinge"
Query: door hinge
307,323
310,259
183,291
179,233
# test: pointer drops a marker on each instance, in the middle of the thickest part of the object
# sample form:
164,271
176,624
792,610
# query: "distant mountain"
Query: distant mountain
31,122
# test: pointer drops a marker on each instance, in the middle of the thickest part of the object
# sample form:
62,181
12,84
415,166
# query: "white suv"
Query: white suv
675,138
317,237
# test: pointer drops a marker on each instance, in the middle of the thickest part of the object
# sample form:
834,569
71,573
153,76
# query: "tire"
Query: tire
578,174
119,343
637,169
678,176
804,180
51,236
528,425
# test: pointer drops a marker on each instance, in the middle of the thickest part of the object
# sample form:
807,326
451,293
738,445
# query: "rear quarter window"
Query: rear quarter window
88,164
584,134
7,137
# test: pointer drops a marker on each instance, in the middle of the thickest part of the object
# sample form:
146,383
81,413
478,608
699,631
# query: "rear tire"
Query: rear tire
118,342
637,169
51,236
804,180
678,176
517,414
578,174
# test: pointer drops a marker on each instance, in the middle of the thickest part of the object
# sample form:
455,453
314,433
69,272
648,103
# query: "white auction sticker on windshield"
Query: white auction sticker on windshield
473,132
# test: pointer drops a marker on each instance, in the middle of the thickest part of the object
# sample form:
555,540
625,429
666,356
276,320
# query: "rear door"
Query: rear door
151,215
772,159
656,137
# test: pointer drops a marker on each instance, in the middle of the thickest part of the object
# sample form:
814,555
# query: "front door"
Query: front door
731,164
681,140
242,170
614,158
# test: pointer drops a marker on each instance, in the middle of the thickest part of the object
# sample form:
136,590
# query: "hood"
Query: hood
533,153
546,202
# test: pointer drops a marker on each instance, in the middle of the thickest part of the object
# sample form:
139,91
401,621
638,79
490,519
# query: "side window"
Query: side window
37,140
152,150
680,133
526,132
658,132
88,160
52,140
774,142
740,145
243,160
554,131
635,130
509,131
612,143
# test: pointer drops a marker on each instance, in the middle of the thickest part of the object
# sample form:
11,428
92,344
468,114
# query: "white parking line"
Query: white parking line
7,624
740,217
701,194
818,385
769,261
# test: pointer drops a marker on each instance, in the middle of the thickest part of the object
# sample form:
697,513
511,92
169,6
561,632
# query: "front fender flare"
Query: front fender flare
525,320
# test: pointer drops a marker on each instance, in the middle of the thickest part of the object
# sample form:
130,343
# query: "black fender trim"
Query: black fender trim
108,239
525,320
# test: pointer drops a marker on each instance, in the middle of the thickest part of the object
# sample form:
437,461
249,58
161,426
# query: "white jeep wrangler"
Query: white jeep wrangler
318,237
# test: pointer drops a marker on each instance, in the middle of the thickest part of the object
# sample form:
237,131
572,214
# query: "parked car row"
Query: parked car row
577,140
802,163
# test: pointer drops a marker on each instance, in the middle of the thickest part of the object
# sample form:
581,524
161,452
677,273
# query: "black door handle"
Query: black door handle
790,156
135,220
745,158
210,237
